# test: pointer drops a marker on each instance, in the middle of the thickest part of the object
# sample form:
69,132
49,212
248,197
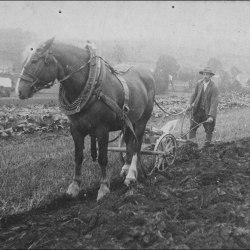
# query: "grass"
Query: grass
36,168
230,125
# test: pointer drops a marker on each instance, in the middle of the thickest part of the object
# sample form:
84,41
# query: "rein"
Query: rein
72,73
164,111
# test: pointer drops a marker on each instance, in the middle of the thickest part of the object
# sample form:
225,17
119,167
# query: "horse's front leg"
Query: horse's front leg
78,138
103,137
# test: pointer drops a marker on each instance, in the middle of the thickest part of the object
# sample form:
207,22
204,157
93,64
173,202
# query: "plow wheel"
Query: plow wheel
167,144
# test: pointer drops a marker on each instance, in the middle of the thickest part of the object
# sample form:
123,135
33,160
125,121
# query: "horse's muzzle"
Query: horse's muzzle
20,95
23,96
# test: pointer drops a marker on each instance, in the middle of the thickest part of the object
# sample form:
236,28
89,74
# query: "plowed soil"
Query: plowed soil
205,203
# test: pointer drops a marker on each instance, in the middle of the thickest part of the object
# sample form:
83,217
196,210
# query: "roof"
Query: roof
5,82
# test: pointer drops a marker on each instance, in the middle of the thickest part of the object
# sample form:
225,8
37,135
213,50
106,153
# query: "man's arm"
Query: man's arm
214,103
193,96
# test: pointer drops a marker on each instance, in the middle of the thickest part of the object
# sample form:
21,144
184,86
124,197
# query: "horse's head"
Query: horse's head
39,71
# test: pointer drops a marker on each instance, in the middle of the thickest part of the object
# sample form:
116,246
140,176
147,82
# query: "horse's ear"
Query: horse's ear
48,43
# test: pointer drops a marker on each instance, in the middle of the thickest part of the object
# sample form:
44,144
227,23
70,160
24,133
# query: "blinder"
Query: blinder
32,78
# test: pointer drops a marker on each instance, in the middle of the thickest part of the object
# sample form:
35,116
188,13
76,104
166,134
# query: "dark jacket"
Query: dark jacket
211,97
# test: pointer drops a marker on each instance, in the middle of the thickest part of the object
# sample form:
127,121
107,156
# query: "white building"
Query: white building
5,82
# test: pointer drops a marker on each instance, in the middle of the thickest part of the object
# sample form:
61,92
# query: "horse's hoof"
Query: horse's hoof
129,181
102,192
123,173
73,189
124,170
131,178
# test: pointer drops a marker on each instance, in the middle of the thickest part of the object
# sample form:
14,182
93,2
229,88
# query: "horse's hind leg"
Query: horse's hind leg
135,150
127,138
78,138
103,137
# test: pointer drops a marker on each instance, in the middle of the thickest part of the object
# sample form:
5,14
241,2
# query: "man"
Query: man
170,78
204,103
91,44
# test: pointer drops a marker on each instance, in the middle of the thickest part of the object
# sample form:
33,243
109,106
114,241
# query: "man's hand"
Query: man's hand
210,119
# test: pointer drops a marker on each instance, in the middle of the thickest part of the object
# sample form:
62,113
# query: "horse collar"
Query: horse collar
96,67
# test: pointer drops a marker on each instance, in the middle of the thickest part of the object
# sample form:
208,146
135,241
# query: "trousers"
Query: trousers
198,117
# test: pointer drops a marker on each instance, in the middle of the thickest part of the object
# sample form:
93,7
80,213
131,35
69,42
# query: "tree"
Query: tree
234,72
224,81
119,54
165,66
235,79
12,44
215,64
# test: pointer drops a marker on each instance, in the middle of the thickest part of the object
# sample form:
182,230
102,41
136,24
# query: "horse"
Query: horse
96,100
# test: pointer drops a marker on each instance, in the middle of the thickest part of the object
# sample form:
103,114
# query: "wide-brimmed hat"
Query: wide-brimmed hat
207,70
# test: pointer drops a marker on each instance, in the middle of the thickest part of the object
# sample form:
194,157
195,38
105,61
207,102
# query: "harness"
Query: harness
93,86
96,75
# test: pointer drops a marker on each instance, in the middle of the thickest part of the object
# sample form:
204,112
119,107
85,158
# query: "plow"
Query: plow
161,143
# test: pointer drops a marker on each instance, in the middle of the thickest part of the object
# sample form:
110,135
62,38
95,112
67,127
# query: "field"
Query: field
205,204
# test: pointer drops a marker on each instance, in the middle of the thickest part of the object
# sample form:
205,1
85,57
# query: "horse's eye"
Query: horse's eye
38,50
36,58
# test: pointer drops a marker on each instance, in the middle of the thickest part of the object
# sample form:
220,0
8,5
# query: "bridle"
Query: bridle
32,78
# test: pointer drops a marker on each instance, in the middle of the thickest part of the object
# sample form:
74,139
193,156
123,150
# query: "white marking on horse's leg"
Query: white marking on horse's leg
104,189
73,189
132,172
124,170
18,82
121,141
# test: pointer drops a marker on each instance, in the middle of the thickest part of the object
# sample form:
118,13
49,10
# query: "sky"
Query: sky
222,26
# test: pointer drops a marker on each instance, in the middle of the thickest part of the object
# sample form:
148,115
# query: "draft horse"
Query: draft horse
96,100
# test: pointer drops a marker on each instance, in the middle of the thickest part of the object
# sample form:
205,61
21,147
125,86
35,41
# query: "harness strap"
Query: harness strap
126,94
122,113
93,86
114,106
26,78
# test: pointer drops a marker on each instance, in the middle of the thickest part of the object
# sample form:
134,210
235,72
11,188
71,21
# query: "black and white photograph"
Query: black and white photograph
124,125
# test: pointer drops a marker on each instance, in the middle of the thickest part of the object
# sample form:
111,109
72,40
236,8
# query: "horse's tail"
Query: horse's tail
93,148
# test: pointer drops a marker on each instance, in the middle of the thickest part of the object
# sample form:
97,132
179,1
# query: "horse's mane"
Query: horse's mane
69,48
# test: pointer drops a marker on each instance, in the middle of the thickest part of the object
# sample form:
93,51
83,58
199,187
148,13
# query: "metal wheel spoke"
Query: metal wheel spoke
170,158
171,148
161,164
167,144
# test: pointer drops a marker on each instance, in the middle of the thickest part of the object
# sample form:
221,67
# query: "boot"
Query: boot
208,141
192,139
